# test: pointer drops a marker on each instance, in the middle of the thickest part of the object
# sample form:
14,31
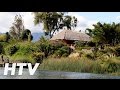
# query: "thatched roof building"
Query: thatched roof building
70,36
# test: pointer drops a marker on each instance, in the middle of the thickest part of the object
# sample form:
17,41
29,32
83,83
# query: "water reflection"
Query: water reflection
55,75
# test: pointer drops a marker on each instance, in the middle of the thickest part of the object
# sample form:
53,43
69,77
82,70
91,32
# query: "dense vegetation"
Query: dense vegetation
53,21
16,44
100,55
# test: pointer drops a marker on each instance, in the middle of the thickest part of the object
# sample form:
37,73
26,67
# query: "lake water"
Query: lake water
55,75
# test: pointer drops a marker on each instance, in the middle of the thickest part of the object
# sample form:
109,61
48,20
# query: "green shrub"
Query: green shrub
102,51
57,44
11,49
21,51
2,38
38,56
65,55
24,52
79,44
50,48
111,65
21,57
90,56
110,50
43,45
63,51
117,49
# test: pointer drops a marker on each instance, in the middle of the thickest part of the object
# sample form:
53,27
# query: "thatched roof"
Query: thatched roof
71,35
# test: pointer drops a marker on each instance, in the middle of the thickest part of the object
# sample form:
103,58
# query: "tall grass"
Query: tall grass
72,65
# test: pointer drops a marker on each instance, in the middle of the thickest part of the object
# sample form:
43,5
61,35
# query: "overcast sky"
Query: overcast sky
85,20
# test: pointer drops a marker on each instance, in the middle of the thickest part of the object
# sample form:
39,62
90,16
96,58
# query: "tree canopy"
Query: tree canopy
105,33
53,21
17,27
18,31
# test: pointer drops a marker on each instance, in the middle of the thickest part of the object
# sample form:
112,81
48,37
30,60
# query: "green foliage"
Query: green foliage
79,44
117,49
21,57
50,48
90,56
44,46
2,38
60,49
24,52
63,51
110,65
53,21
105,33
17,28
57,44
11,49
38,56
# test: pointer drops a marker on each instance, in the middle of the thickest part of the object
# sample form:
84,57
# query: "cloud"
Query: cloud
118,18
7,18
29,24
83,22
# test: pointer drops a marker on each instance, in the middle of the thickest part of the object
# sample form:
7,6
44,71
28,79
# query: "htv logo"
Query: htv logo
21,65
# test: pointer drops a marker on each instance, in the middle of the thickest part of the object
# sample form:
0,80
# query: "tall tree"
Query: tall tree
105,33
53,21
17,28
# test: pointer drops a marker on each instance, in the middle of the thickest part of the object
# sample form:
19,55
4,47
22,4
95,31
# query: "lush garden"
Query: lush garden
100,55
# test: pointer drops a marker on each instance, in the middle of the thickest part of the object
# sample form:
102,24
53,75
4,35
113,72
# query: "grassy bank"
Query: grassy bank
55,56
81,65
72,65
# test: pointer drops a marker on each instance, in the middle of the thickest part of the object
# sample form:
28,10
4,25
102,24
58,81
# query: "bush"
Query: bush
79,44
57,44
117,49
38,56
44,45
2,38
65,55
24,58
90,56
11,49
111,65
63,51
110,50
24,52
